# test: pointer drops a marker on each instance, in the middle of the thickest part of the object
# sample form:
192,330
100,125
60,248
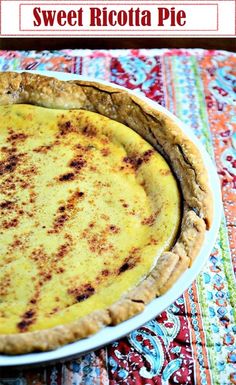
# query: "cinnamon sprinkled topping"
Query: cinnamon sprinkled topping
65,128
89,131
165,172
105,272
114,229
9,165
105,151
16,137
151,219
82,292
65,211
78,163
6,205
136,162
28,318
5,284
131,261
43,149
11,223
67,177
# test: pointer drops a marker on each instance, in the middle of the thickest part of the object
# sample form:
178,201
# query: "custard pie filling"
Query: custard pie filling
87,207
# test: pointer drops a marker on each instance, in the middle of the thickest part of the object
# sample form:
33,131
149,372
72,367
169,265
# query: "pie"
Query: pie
104,203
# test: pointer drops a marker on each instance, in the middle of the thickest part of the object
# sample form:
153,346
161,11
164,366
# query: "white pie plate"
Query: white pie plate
112,333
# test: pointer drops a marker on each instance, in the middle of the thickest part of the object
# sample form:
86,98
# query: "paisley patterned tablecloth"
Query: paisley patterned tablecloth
193,341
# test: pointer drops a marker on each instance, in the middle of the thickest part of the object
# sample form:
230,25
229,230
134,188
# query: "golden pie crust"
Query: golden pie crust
167,138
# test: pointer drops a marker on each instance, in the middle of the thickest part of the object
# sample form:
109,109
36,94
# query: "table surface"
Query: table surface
193,341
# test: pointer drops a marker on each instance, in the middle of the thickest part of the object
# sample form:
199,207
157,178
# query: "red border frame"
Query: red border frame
104,34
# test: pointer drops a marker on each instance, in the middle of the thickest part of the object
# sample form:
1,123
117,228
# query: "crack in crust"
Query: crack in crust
185,160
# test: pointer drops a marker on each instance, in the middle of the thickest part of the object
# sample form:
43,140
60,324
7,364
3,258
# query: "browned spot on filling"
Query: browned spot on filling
104,140
149,221
9,165
43,149
105,272
40,257
32,170
48,266
65,128
38,285
28,319
9,186
24,325
147,155
114,229
89,131
17,244
131,261
33,301
5,284
165,172
67,177
16,174
16,137
136,161
99,184
124,267
124,204
72,201
78,163
82,292
105,151
33,196
97,242
45,276
65,212
153,241
63,250
93,168
10,224
8,150
29,314
7,205
54,310
24,184
83,148
59,223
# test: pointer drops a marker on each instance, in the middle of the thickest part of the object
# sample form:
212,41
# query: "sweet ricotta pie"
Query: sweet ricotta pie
104,203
